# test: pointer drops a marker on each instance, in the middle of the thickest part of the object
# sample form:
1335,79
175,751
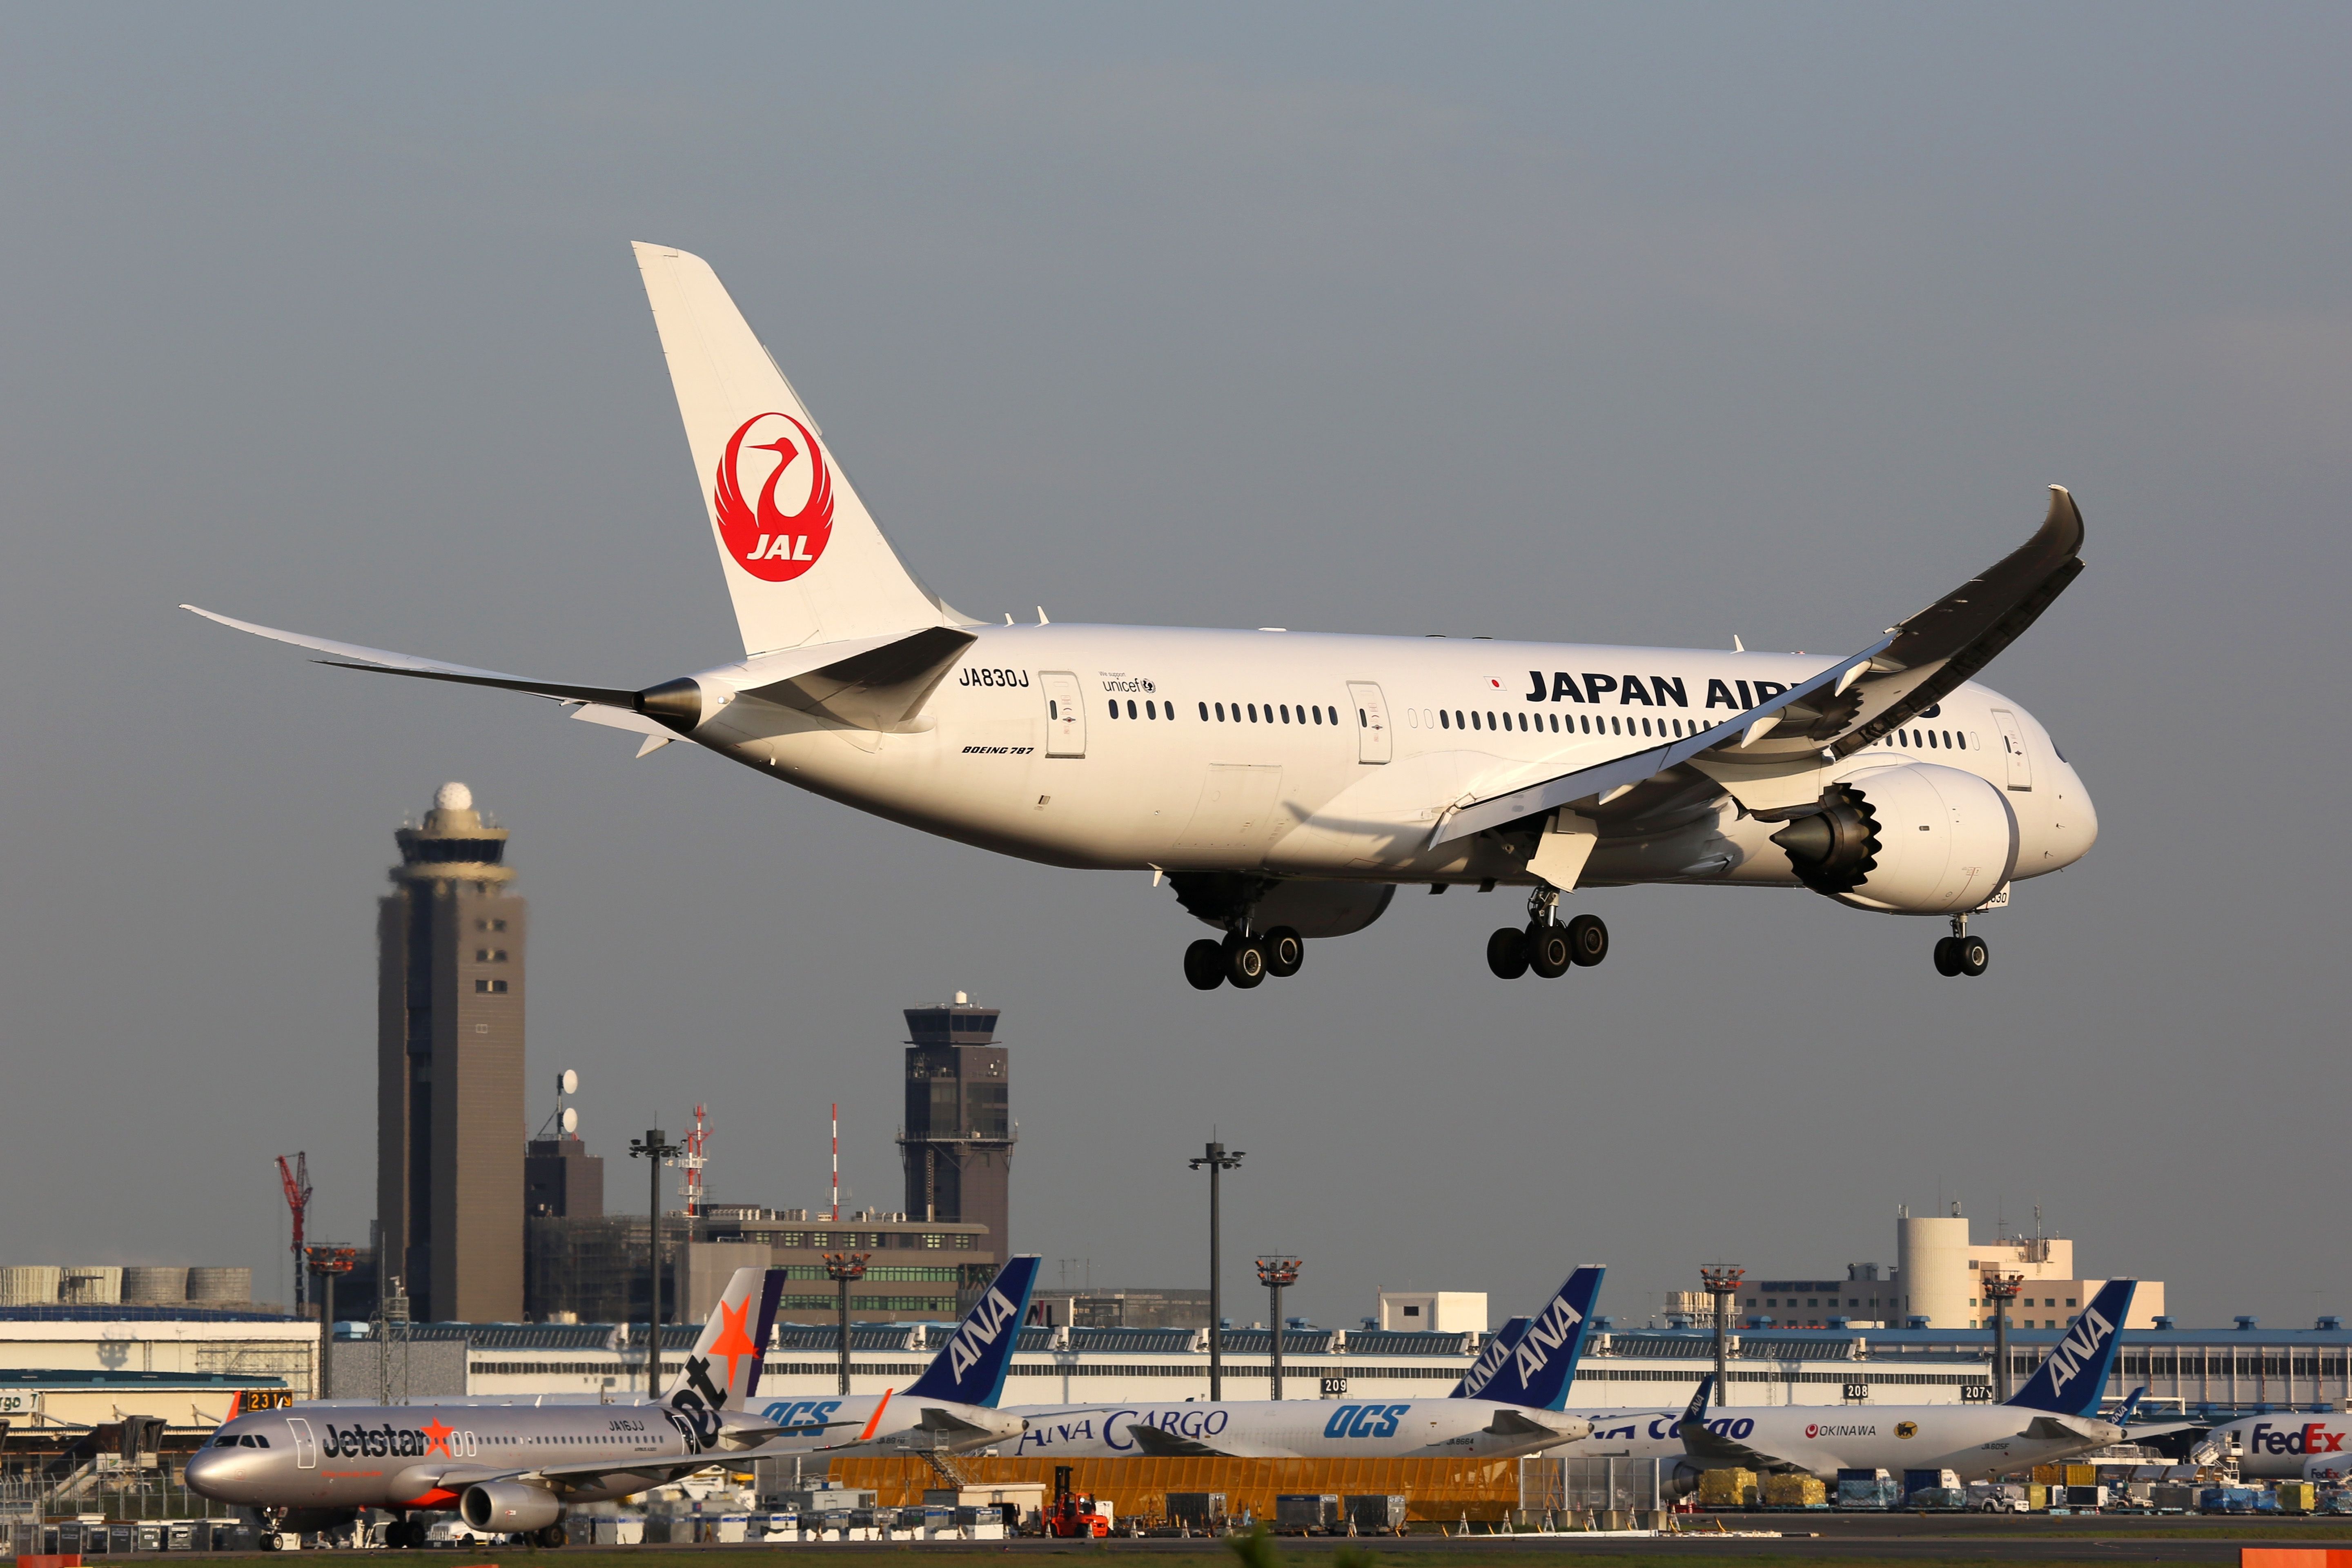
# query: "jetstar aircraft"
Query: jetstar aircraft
1513,1407
1287,784
2053,1416
515,1468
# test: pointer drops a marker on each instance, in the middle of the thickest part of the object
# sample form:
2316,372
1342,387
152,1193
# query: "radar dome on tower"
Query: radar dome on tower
453,796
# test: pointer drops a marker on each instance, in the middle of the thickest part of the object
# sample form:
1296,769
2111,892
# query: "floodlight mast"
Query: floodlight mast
1274,1273
653,1148
1218,1161
1722,1281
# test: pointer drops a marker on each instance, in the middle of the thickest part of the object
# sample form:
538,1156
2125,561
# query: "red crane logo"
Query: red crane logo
767,541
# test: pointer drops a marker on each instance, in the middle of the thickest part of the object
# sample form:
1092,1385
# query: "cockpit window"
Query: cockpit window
261,1439
226,1440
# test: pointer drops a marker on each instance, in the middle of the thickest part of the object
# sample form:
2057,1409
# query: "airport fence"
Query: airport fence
1570,1487
1437,1491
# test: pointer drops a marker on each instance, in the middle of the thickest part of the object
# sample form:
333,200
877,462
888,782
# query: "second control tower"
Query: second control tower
959,1135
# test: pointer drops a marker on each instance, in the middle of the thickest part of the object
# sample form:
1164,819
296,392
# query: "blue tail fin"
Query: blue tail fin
772,1290
2074,1377
970,1368
1490,1360
2131,1406
1538,1372
1696,1409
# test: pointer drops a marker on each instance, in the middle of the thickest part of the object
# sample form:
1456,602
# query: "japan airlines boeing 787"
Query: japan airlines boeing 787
1288,783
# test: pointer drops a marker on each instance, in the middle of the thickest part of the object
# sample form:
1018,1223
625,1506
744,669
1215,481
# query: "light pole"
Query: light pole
653,1148
326,1262
842,1267
2000,1292
1218,1162
1274,1273
1722,1281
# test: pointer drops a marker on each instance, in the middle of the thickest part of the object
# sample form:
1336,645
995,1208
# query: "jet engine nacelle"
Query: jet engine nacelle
1910,838
509,1506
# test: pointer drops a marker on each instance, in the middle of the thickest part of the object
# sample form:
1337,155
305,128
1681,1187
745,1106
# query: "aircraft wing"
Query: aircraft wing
1163,1445
1850,703
1511,1422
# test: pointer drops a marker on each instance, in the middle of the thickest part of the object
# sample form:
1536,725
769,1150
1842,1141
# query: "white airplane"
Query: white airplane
2282,1446
1287,784
2054,1416
1508,1403
518,1468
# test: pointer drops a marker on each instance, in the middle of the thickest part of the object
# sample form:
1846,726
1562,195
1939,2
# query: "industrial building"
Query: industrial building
1937,1282
449,1068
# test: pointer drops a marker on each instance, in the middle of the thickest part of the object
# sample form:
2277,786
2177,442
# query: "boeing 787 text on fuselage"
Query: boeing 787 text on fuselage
1287,784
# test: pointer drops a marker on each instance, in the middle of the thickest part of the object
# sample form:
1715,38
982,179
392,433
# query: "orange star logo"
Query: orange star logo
732,1341
436,1436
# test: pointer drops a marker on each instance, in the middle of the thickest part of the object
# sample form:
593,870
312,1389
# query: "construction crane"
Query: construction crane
296,1178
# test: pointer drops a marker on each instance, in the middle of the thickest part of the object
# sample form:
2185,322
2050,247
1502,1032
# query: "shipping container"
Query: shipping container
1727,1489
1376,1513
1197,1511
1307,1513
1795,1491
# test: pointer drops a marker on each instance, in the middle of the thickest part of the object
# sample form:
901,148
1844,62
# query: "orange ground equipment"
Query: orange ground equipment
1440,1490
1073,1517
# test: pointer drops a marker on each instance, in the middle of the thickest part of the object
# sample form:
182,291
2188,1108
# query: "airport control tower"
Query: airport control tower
959,1135
449,1088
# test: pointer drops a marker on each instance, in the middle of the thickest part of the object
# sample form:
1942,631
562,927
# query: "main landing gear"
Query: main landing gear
1546,946
552,1535
403,1534
1960,953
1244,961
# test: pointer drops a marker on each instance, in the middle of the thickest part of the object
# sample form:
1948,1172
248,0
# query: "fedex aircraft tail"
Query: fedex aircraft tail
722,1372
970,1368
1490,1361
1540,1368
804,561
2074,1377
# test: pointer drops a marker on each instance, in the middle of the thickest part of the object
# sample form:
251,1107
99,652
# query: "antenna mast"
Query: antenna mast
692,1161
836,1161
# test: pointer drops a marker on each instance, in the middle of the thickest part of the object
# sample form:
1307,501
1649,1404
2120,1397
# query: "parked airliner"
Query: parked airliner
1509,1404
515,1468
1286,784
2054,1416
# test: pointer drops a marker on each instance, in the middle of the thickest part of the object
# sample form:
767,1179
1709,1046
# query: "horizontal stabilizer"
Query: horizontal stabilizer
352,656
1159,1444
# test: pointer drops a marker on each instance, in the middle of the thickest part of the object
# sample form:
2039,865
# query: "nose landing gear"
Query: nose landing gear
1960,953
1546,947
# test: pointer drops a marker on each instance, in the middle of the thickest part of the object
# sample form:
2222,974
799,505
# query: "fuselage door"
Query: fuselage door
305,1448
2012,741
1371,721
1065,715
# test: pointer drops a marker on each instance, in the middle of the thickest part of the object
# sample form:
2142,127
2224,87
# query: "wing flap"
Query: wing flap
1163,1445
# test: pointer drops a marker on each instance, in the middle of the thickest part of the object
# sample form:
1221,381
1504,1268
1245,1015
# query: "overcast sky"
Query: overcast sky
1651,324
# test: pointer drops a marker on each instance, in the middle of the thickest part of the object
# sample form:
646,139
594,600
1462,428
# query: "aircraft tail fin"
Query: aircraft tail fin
1499,1346
722,1370
2071,1382
1540,1368
804,561
970,1368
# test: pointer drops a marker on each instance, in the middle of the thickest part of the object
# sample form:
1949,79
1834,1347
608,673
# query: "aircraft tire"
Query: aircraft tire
1245,962
1506,952
1972,953
1588,939
553,1535
1286,950
1205,964
1549,954
1948,955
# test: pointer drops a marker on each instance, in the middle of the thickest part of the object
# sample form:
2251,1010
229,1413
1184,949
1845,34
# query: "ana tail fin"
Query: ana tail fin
2074,1377
1537,1375
1499,1346
970,1368
804,560
722,1370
